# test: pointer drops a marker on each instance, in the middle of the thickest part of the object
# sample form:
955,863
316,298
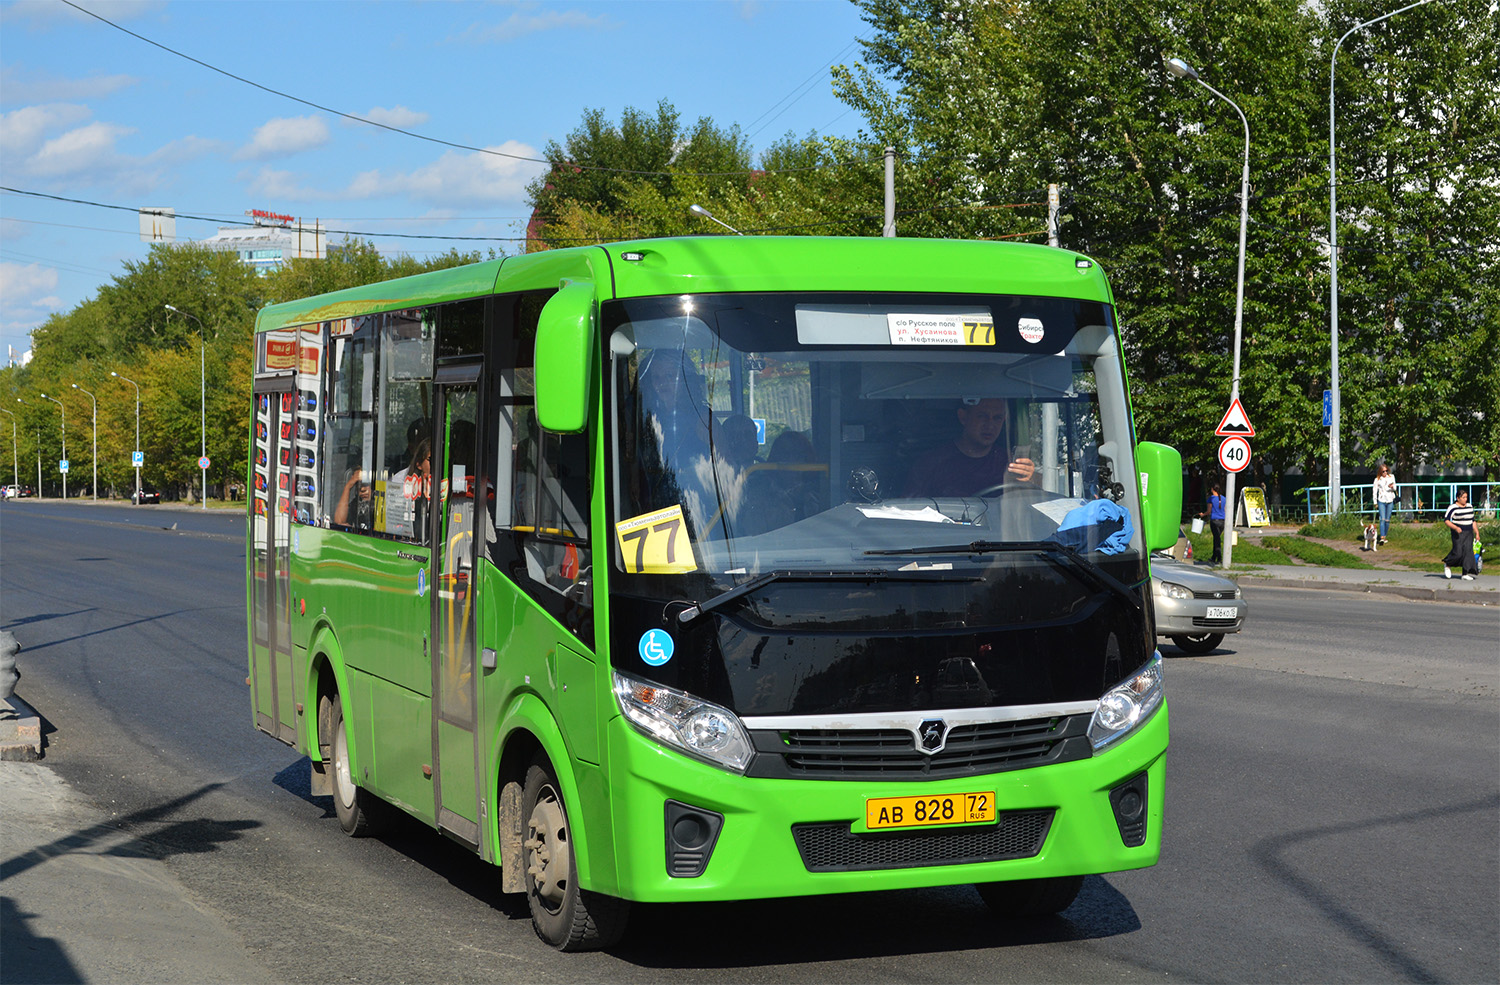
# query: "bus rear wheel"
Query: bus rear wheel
564,915
1030,897
360,812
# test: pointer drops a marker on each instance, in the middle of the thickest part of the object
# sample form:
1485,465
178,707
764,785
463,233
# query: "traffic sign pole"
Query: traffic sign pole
1235,427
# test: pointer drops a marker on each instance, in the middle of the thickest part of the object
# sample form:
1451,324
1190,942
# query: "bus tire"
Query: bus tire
1030,897
564,915
1198,644
360,812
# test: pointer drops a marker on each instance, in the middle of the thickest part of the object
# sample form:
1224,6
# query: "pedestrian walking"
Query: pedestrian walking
1385,498
1460,521
1215,514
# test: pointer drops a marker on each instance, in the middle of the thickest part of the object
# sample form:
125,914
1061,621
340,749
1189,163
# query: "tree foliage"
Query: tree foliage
193,365
636,179
990,102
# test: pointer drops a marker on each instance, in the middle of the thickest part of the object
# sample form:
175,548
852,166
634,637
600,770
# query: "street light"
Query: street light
96,440
15,467
133,457
1183,70
64,450
1335,492
202,396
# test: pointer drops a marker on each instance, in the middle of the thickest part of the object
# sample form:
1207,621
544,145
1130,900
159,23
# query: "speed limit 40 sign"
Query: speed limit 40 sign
1234,454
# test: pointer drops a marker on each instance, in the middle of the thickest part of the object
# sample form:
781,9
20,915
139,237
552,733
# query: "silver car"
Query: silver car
1194,607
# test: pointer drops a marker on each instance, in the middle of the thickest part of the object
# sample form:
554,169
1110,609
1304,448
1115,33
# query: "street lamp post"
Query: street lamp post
96,439
1183,70
15,467
202,395
1335,492
64,411
137,432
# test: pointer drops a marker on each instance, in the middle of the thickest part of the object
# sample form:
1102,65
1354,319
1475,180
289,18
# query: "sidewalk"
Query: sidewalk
1421,585
88,899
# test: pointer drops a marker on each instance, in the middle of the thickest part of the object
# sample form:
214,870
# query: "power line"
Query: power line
438,140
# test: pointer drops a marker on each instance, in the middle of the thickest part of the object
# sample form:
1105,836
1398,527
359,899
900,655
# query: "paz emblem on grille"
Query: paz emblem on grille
930,736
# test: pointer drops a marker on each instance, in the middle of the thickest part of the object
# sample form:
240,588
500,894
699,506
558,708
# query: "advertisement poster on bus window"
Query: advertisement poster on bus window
1255,507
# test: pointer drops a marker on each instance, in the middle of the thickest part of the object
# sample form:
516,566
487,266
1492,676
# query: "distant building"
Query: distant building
271,241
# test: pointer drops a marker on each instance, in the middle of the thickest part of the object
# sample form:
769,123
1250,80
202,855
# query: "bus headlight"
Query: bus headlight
1126,705
697,727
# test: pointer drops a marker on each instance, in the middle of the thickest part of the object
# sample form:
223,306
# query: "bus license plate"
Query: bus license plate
1222,612
948,808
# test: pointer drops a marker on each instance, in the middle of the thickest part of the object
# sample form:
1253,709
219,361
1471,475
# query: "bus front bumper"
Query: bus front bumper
756,854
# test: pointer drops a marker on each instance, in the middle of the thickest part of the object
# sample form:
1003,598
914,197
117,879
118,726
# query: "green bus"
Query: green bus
719,568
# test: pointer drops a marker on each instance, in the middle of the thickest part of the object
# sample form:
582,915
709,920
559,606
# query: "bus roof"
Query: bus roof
728,264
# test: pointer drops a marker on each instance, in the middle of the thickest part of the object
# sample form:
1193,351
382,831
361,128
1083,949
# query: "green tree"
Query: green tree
990,102
1418,118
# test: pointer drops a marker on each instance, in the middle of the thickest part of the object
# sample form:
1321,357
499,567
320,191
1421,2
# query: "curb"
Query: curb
20,731
1472,596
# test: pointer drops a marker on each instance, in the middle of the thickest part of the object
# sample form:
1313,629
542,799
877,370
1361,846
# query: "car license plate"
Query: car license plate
1222,612
948,808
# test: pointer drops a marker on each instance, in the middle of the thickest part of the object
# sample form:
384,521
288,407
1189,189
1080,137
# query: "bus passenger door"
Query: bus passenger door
270,518
454,680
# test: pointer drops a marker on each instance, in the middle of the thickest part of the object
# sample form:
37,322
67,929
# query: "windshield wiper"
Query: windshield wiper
1059,555
760,581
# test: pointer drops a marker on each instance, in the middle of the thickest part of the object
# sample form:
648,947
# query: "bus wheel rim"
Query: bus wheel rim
548,863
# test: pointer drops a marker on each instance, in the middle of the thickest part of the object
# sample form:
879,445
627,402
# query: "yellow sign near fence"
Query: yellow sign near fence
1256,513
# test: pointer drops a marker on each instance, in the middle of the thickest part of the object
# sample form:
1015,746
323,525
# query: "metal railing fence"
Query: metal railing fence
1413,499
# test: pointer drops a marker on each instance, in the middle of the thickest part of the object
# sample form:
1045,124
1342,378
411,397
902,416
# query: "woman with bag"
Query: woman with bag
1460,522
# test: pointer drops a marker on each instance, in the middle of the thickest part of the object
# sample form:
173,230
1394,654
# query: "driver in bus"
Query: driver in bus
977,460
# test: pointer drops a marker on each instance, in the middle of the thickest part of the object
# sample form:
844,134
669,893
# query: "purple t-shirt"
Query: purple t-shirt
949,472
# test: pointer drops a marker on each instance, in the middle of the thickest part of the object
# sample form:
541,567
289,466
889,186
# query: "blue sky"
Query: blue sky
90,112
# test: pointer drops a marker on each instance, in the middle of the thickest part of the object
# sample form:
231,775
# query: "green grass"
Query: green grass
1314,553
1245,552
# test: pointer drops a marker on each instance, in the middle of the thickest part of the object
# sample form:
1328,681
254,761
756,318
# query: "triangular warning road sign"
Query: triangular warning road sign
1235,422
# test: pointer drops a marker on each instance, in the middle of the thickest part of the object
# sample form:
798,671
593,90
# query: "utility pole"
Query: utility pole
890,193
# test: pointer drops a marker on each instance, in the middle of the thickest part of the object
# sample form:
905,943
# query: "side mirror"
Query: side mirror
565,358
1161,493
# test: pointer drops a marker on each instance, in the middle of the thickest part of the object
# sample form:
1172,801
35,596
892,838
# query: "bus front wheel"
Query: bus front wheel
360,812
1030,897
564,915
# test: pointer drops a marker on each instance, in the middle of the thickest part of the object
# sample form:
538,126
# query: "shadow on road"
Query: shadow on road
176,838
29,957
1271,854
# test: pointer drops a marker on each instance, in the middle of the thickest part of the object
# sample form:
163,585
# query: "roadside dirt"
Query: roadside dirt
1388,557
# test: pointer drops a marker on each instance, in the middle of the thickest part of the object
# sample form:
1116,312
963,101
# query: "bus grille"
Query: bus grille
992,747
836,848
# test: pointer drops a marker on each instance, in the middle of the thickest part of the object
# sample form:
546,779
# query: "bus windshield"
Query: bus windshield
872,432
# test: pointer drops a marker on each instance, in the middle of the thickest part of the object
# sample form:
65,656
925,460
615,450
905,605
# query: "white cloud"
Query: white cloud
532,21
25,284
280,186
87,148
457,178
285,136
25,300
44,13
396,116
22,130
42,88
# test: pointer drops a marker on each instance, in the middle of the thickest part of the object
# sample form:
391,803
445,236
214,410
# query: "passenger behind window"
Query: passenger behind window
407,494
355,505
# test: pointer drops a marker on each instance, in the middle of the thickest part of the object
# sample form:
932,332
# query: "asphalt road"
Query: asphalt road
1332,808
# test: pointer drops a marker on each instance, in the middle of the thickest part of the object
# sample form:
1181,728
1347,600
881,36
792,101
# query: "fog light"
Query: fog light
1129,802
691,835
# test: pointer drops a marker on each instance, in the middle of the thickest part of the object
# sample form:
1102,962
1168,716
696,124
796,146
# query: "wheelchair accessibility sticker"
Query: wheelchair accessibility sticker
656,647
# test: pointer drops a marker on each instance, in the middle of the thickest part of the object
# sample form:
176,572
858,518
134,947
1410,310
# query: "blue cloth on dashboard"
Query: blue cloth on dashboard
1100,525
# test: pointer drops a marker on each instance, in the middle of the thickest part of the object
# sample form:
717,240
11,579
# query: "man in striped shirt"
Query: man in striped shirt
1460,521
